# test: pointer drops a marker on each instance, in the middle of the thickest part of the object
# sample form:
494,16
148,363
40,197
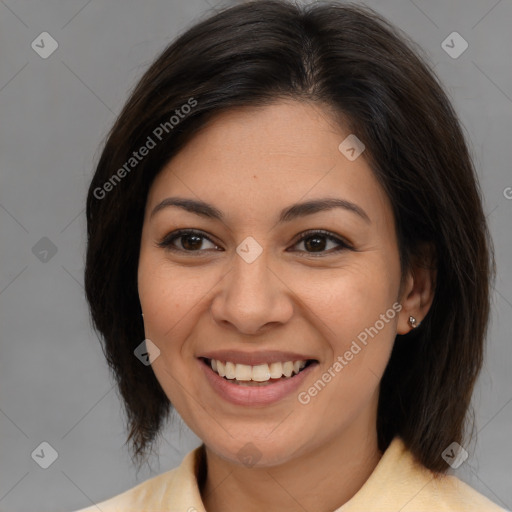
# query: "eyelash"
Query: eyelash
167,241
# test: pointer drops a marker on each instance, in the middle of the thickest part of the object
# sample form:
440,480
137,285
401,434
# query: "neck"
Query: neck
322,479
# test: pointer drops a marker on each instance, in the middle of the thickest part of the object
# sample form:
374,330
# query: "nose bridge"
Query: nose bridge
250,283
251,266
251,294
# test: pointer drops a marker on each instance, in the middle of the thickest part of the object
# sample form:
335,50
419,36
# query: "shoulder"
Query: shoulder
456,495
138,498
399,482
173,490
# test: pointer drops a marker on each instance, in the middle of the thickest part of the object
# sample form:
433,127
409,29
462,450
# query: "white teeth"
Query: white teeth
260,373
276,370
257,373
288,368
243,372
230,370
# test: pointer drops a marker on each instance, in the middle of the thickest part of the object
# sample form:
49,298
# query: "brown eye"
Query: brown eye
317,242
190,241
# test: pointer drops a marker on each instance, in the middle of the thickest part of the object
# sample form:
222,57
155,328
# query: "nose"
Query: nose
252,297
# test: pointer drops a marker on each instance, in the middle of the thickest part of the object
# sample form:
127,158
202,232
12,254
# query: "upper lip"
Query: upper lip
255,358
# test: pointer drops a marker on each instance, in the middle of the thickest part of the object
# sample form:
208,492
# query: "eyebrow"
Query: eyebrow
287,214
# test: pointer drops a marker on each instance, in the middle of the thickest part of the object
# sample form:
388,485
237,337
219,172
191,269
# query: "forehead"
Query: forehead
250,161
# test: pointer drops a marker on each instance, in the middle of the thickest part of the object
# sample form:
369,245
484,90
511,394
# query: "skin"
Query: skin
251,163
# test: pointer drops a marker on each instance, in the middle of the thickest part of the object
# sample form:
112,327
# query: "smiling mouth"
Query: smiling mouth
258,375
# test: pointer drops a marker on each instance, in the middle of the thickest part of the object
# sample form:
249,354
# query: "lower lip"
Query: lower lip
254,395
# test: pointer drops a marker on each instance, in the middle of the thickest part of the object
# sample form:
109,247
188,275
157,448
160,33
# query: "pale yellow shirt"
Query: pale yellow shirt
397,483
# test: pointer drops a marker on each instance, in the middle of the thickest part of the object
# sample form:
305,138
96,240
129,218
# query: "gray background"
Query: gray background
55,113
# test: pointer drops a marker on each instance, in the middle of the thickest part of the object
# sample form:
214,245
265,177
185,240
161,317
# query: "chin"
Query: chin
256,452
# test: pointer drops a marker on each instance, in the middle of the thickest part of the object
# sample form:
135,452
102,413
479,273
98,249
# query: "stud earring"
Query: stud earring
412,322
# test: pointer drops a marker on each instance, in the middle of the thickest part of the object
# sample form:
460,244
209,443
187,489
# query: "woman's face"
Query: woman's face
245,289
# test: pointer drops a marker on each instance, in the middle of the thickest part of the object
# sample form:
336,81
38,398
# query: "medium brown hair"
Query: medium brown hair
353,61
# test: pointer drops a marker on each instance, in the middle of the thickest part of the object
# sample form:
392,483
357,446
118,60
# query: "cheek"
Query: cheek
167,298
360,345
167,293
356,312
350,299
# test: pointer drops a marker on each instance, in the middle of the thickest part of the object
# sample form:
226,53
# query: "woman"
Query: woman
286,244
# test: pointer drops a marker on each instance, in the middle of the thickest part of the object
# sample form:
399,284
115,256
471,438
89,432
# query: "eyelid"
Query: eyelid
343,243
166,241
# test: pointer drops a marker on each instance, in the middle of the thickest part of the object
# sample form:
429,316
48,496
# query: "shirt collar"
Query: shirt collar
398,482
184,489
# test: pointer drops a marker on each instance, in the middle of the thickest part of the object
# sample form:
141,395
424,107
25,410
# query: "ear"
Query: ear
419,287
